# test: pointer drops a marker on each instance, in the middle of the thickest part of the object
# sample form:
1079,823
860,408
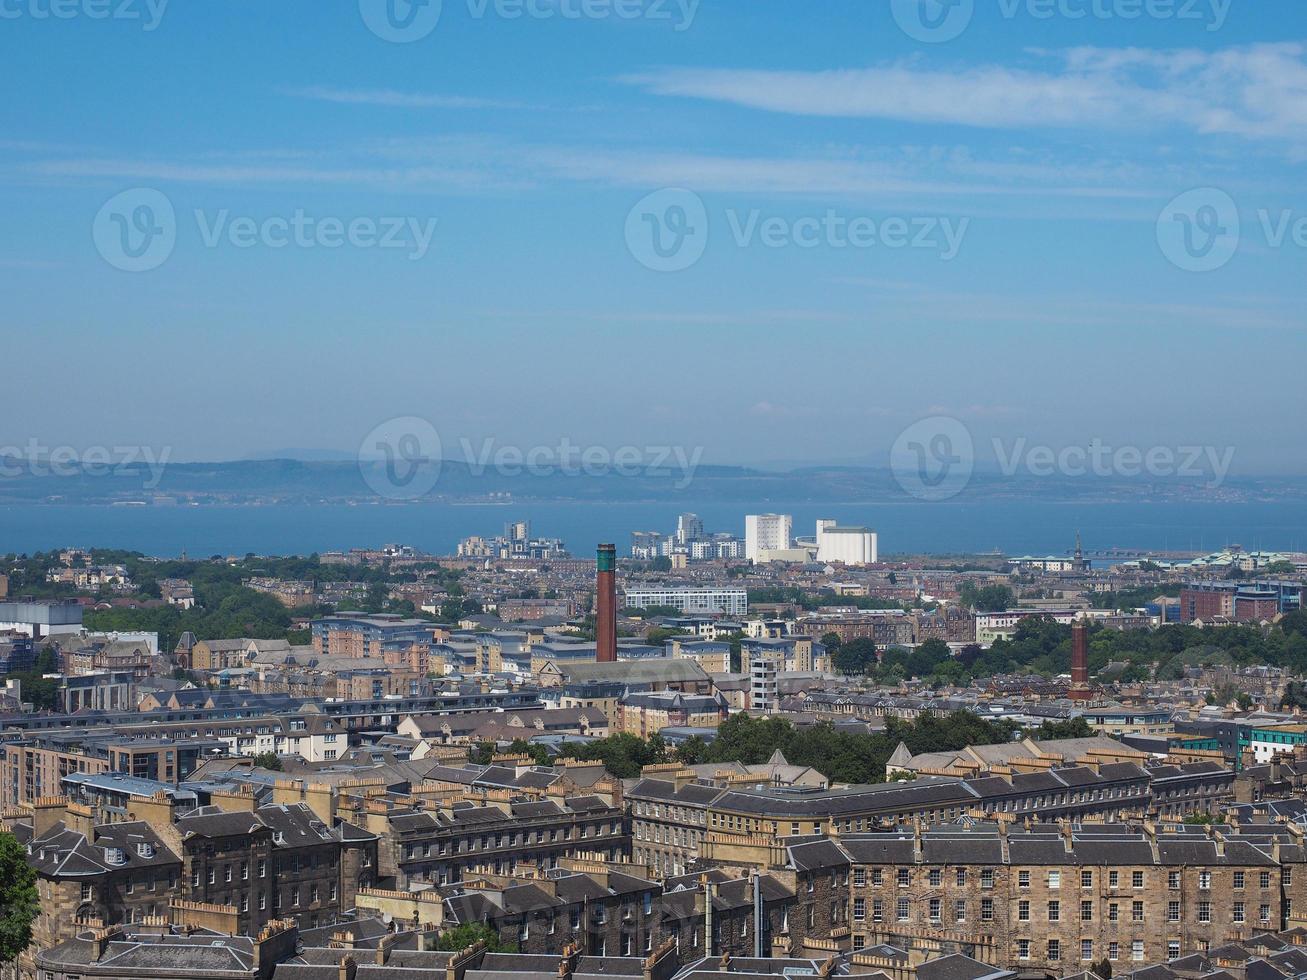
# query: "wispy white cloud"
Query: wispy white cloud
1256,91
389,98
773,410
459,165
373,168
704,318
1021,181
918,305
961,308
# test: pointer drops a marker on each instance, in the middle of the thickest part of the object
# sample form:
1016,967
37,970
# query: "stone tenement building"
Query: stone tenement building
615,910
680,821
439,823
247,864
440,842
357,952
1049,898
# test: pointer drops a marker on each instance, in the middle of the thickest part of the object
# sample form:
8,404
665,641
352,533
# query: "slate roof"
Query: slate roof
1098,845
959,967
61,852
211,822
203,953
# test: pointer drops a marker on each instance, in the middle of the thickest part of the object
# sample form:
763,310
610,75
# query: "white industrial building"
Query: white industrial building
732,602
849,545
40,618
766,532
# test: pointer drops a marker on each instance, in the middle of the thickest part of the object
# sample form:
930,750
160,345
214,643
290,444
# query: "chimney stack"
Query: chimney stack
1079,662
606,604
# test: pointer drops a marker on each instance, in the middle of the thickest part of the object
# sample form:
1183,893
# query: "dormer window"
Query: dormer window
145,849
115,856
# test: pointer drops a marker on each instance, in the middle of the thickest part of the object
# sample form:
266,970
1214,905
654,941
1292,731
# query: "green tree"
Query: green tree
737,654
18,898
1295,696
988,598
857,656
41,691
1135,674
1295,622
268,760
950,671
1072,728
649,612
1224,694
623,754
692,752
461,937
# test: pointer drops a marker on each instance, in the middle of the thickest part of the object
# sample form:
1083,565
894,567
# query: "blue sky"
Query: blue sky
1050,146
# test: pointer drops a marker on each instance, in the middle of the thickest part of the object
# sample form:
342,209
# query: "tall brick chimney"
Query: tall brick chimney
1079,662
606,604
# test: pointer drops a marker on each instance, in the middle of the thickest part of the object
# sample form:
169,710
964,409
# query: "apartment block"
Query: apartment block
1048,898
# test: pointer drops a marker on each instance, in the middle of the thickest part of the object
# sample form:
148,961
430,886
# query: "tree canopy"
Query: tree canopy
622,754
18,898
842,756
461,937
857,656
986,598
